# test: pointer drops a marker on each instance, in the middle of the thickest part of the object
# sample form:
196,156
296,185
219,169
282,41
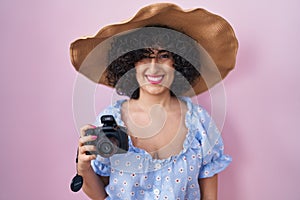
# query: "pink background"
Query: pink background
38,132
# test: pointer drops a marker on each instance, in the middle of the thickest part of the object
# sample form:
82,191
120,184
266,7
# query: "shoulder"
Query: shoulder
197,119
195,110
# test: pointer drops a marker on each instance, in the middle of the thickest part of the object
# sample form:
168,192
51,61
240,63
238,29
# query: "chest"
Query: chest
161,134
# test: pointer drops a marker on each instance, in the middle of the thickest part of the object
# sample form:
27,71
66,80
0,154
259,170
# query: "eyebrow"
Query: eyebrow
163,51
150,51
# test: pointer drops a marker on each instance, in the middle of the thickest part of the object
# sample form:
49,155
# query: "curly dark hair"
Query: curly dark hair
134,45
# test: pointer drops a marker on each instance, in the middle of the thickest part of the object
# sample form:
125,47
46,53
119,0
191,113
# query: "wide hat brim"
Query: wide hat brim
212,32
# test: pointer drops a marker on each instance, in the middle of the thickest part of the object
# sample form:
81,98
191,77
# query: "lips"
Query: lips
155,79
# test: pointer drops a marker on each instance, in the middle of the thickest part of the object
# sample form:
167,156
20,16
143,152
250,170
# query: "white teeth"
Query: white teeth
154,78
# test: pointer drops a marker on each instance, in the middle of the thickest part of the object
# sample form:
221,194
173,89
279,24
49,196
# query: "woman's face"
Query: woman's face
155,72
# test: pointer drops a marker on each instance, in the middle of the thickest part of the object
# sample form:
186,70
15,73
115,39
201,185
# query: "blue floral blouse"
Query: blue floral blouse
136,175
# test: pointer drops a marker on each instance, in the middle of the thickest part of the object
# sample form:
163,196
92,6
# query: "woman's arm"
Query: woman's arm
209,188
93,185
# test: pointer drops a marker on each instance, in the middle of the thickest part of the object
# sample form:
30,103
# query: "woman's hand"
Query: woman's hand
93,184
84,160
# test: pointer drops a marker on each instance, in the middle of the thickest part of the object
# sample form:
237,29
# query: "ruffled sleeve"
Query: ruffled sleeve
101,166
213,158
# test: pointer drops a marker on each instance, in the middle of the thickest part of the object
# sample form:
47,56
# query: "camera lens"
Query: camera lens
105,148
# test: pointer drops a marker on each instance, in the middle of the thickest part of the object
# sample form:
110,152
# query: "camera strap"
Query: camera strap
77,180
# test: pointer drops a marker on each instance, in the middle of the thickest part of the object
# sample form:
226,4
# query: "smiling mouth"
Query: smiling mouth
155,79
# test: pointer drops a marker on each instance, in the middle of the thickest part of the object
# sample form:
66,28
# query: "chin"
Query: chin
155,90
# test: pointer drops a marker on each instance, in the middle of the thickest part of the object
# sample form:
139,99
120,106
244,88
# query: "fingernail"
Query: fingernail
94,137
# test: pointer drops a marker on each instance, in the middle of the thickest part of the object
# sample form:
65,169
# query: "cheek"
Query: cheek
171,73
139,68
139,74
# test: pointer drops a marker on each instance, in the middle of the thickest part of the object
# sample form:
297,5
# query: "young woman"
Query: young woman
175,149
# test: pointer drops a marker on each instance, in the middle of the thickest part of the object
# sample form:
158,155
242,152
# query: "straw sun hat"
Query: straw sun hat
213,34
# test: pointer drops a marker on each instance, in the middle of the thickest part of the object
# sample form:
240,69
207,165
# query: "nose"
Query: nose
153,65
153,60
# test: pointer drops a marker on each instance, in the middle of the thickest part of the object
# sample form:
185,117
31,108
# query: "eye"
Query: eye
144,58
164,55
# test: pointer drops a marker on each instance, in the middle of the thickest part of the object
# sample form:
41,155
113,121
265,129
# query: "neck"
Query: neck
149,100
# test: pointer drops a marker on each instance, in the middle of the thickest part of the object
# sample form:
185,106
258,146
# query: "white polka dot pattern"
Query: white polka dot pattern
136,175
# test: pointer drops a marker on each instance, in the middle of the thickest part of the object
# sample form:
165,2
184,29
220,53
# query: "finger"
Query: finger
85,139
85,148
84,128
86,158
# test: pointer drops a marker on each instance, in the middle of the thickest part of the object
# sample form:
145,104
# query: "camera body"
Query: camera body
111,138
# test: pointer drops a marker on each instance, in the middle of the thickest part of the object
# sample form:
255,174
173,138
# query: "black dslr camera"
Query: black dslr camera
111,138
